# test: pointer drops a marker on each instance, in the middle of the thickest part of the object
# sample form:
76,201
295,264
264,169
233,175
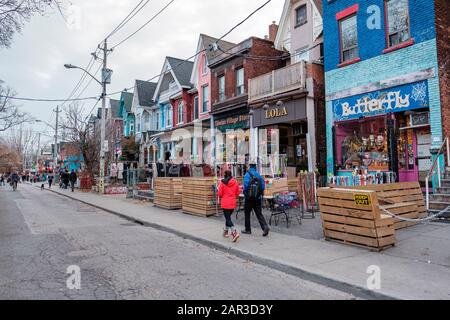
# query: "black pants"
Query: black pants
50,184
228,222
72,185
255,205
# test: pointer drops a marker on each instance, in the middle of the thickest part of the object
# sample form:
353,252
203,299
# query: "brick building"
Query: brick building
442,13
288,104
231,71
382,88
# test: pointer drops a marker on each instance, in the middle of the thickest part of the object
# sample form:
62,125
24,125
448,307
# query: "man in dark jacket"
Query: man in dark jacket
73,179
254,202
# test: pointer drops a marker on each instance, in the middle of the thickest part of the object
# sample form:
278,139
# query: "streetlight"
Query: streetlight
106,79
71,66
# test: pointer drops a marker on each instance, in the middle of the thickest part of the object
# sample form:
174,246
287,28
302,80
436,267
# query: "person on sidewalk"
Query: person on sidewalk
254,187
50,181
228,192
73,179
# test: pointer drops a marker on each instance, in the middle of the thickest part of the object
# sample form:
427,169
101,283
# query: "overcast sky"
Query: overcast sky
33,66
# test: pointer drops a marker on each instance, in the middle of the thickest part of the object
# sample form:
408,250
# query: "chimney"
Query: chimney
273,30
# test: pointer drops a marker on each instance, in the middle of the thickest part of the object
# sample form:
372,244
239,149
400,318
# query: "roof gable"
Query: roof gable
145,91
115,108
204,43
285,23
127,99
176,70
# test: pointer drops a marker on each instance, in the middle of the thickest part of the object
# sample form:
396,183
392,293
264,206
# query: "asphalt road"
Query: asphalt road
42,234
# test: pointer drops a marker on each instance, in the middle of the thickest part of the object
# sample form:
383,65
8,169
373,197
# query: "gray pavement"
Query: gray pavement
418,267
41,234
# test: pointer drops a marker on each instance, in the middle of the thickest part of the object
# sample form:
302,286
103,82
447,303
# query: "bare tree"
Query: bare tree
10,114
15,13
78,132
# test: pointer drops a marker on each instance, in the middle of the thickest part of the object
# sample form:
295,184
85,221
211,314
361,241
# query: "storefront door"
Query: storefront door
408,170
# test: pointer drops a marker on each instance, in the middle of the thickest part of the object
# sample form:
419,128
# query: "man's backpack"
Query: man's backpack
254,190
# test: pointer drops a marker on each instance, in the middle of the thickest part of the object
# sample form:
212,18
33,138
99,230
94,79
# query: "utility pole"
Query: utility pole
103,119
38,149
56,136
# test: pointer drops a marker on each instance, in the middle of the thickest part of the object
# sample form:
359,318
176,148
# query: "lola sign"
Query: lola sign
402,98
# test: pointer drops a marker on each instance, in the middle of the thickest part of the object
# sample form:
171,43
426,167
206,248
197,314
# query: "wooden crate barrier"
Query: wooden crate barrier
168,193
403,199
353,217
199,197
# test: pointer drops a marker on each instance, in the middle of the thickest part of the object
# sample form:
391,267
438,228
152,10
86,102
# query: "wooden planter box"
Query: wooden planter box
403,199
168,193
353,217
199,197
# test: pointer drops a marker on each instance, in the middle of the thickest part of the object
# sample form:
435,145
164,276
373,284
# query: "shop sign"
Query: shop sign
276,113
398,99
233,122
290,111
362,200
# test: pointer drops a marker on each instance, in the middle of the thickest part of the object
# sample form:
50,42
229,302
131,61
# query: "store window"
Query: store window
362,144
397,19
349,38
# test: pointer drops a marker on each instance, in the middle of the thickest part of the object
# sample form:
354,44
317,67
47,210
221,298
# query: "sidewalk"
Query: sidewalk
417,268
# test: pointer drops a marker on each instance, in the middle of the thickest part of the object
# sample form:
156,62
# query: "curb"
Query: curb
357,291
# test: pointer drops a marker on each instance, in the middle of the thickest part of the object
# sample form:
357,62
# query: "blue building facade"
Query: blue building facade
382,88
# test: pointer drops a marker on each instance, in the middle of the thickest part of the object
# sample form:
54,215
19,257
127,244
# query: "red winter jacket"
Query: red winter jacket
228,192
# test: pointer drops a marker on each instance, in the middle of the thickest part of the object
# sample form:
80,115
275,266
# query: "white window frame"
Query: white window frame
205,96
180,107
204,66
220,80
196,107
242,85
169,116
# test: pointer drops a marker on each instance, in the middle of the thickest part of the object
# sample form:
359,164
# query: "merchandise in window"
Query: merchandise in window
363,145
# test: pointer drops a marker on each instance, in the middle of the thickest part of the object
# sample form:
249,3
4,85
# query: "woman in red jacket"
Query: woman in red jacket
228,192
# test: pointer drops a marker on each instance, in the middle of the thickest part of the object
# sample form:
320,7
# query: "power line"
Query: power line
47,100
201,51
128,18
145,24
248,17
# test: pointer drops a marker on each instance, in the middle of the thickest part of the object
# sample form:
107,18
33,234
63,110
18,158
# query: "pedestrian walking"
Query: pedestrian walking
254,187
2,179
50,181
73,179
66,179
228,192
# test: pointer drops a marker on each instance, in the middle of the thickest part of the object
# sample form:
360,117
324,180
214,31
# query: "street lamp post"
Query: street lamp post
106,78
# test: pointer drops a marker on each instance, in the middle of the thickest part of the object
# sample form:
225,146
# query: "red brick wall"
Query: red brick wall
442,12
316,72
252,68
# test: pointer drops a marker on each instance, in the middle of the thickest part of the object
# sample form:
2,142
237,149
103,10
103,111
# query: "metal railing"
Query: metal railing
435,169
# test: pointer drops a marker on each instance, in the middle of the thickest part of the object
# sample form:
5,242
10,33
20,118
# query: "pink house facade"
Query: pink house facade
203,144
